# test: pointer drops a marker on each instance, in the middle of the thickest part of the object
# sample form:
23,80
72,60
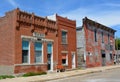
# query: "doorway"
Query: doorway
49,61
50,57
73,61
103,59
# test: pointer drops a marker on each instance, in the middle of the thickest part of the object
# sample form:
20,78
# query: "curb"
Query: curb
89,72
67,76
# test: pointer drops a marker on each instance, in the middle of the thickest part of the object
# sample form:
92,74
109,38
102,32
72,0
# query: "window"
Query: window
95,35
25,51
38,52
49,48
102,37
64,59
64,37
108,38
111,56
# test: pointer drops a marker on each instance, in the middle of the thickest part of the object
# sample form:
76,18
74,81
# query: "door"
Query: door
50,56
103,60
49,61
73,61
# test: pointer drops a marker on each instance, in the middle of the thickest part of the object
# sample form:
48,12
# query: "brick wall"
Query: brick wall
7,34
26,28
93,48
69,26
30,68
13,26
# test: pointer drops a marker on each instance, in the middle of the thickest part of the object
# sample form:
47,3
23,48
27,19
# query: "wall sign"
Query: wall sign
38,35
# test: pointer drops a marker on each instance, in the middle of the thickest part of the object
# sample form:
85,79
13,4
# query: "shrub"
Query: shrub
6,76
34,74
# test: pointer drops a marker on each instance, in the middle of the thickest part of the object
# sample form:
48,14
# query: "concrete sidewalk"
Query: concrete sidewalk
54,76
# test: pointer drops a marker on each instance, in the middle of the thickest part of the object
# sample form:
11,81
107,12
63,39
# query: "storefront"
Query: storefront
33,44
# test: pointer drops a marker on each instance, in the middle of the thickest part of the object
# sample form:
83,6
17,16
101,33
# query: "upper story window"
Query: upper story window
108,38
102,36
25,51
95,35
64,37
38,52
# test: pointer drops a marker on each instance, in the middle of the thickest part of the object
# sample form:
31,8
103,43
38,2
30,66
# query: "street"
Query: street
104,76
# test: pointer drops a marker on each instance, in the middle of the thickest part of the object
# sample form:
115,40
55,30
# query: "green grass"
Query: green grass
6,76
34,74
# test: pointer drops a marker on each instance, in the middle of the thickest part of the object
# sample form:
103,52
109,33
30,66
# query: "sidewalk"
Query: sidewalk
54,76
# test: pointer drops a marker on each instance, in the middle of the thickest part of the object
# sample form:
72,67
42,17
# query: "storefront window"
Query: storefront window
25,51
38,52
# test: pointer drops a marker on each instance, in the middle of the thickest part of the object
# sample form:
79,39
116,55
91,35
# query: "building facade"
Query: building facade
67,43
30,43
98,42
67,55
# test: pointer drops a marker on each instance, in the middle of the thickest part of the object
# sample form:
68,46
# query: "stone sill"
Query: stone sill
26,64
64,43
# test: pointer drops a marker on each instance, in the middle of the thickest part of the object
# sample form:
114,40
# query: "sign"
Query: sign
38,35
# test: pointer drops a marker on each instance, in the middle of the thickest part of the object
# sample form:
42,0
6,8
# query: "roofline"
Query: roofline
99,24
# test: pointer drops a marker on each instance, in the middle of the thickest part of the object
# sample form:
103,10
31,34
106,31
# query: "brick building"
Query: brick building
67,43
30,43
96,44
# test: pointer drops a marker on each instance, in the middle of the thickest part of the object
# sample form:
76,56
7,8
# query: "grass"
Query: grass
6,76
34,74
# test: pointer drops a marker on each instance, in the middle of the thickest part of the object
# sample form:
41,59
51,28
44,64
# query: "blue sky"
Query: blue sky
106,12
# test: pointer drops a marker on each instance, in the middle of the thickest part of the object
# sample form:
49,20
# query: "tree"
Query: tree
117,43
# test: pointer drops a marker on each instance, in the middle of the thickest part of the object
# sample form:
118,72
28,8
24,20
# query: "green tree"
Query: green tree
117,43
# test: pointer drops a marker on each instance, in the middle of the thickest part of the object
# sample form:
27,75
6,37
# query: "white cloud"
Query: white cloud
106,17
13,3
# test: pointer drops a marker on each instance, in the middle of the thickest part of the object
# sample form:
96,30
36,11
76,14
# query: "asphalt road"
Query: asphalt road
104,76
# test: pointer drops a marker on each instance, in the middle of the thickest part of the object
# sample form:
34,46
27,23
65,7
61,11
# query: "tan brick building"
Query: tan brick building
98,43
30,43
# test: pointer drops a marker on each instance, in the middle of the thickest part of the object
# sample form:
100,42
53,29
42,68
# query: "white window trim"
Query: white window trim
42,53
52,58
25,39
66,59
29,52
66,36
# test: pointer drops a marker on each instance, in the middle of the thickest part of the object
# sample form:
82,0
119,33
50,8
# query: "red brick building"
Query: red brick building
66,43
98,43
67,55
30,43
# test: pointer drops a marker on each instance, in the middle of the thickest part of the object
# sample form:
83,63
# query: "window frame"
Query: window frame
66,59
66,39
28,58
102,36
111,56
95,35
108,38
38,51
